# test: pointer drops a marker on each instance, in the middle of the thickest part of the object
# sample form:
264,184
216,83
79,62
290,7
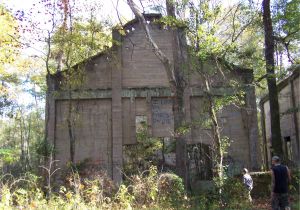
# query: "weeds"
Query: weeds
146,190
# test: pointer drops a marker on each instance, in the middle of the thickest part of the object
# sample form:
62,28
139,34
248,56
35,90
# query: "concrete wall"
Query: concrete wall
129,82
140,67
91,121
289,119
98,73
232,126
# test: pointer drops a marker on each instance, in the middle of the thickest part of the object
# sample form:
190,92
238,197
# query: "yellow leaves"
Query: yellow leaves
33,205
8,37
69,195
6,196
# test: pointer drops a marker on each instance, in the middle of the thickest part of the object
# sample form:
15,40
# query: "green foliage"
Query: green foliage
20,137
84,40
172,22
184,129
7,156
124,198
294,186
286,18
147,190
141,192
225,143
234,196
141,156
43,148
210,44
171,193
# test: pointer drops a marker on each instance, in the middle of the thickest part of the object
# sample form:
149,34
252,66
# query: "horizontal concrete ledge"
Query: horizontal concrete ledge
133,93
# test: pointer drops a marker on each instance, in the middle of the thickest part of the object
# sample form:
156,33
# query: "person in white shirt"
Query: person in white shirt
248,182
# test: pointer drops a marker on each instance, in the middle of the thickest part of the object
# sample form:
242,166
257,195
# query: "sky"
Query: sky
35,8
111,10
109,6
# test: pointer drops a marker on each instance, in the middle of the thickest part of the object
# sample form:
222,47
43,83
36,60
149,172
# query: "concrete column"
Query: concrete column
50,112
266,161
149,114
296,122
132,120
187,111
253,128
117,141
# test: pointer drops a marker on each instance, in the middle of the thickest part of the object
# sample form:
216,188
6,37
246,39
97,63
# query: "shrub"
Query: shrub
234,194
261,184
171,191
144,187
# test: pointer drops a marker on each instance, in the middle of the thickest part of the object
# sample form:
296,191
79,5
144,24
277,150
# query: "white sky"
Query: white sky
109,9
36,10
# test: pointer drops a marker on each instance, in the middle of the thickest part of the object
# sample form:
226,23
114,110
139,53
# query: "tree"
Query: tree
271,80
210,43
285,19
9,48
177,83
74,41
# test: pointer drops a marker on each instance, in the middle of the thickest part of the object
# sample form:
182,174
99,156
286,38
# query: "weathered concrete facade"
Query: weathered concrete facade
128,81
289,104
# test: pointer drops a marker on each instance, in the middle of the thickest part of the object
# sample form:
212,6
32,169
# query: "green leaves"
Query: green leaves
209,44
172,22
83,41
8,156
286,18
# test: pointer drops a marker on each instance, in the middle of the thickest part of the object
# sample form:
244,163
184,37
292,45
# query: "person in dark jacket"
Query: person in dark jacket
281,178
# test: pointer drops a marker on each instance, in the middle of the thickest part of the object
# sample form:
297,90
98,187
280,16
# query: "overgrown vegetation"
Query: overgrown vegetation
216,34
146,190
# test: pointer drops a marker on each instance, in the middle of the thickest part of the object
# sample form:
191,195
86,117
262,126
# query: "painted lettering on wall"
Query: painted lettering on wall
162,112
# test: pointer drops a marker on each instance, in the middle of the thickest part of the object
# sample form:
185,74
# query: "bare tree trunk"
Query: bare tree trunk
176,81
271,80
216,134
64,28
178,103
71,131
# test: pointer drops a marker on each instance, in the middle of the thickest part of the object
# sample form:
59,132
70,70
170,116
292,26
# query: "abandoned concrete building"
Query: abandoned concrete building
289,104
128,83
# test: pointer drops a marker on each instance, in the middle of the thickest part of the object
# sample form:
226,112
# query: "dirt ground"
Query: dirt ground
261,204
265,204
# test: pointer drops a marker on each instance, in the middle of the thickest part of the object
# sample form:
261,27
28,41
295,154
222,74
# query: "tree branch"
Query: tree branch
159,54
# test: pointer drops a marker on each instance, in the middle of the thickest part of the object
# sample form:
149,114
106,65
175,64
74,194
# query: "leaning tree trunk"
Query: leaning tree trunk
271,80
178,102
176,82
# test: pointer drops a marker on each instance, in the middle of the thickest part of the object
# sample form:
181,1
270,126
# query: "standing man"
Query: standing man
281,177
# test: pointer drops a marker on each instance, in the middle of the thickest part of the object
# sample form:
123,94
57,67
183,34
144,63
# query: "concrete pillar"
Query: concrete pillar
255,157
117,141
296,122
187,111
50,111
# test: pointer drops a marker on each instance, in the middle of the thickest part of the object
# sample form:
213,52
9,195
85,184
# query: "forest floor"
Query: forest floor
265,203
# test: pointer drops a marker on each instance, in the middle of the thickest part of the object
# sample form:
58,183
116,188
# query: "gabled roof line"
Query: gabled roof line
282,84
